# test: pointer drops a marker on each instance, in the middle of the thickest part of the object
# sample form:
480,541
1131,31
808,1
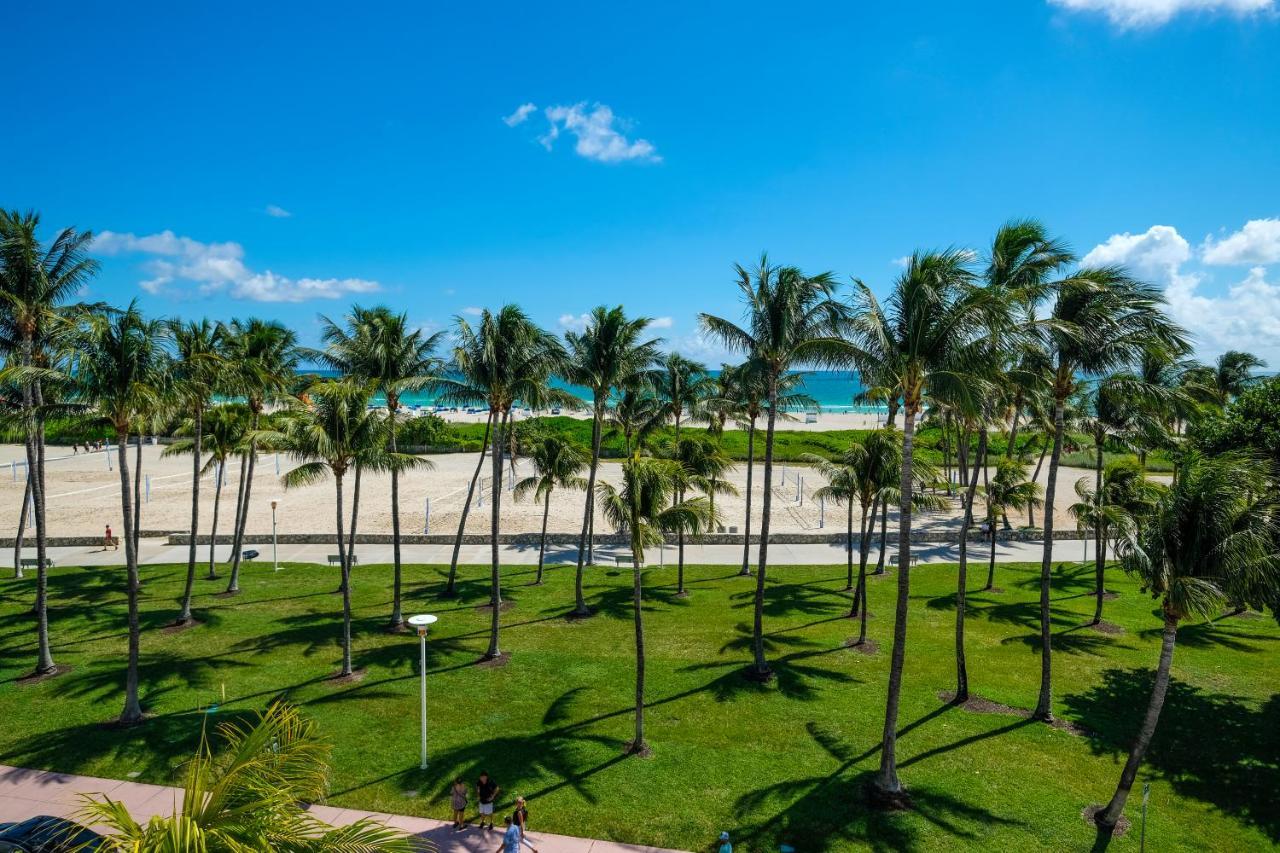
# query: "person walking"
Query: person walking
487,791
725,845
510,838
521,818
458,802
109,541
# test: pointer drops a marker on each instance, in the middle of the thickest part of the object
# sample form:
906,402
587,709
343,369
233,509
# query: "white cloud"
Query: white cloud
522,112
473,311
574,322
599,132
902,261
1157,253
1258,242
278,212
173,261
661,323
1134,14
1247,317
701,347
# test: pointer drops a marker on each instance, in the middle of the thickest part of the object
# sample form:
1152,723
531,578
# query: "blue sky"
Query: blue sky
284,160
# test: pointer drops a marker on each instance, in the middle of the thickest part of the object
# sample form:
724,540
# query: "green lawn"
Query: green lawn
781,763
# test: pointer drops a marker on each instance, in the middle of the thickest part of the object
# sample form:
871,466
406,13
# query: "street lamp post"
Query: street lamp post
275,559
422,622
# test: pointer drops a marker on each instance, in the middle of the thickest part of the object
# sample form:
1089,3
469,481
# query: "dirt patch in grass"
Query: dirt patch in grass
1111,629
502,608
38,677
643,751
355,677
179,627
980,705
227,594
866,647
495,662
1090,815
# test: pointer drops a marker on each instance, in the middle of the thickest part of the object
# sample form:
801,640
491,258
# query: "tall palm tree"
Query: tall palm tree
224,434
1007,488
334,433
682,384
505,358
195,368
919,339
247,797
37,282
1212,538
450,586
1101,320
1233,373
262,357
556,464
378,346
790,319
636,414
608,355
117,363
643,509
703,466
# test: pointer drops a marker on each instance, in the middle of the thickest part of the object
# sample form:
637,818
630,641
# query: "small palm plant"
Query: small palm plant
1211,538
703,466
1008,488
644,509
556,464
247,798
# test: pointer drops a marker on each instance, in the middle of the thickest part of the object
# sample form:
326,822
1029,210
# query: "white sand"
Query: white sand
84,496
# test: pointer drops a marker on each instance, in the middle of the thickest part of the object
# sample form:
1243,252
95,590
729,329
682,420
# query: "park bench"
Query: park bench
893,559
248,555
34,562
624,560
336,560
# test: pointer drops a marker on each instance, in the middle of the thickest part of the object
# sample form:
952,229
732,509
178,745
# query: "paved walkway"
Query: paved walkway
27,793
780,554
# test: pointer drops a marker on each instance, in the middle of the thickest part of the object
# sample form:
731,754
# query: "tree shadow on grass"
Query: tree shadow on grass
1075,640
795,676
1212,747
787,599
1208,635
826,812
160,673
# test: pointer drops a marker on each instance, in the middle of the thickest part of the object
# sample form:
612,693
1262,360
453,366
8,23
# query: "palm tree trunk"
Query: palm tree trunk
344,567
746,524
218,473
946,449
886,779
33,400
762,670
184,616
397,617
137,497
495,573
638,745
1035,478
351,539
1100,553
450,588
962,580
234,585
22,529
884,536
680,591
848,538
991,562
1044,704
542,540
132,712
585,540
862,556
1107,818
962,454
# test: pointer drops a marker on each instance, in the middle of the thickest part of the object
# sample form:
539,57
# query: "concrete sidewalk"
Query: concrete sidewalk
27,793
780,554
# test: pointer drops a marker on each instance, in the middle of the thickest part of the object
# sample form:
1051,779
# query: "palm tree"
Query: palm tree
556,464
1007,488
1233,373
224,434
331,434
36,283
195,368
682,384
262,357
919,339
791,319
117,363
504,359
702,466
1211,538
636,413
605,356
247,797
450,587
643,508
1101,320
378,346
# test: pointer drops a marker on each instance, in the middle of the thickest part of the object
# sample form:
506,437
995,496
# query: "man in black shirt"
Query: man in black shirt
487,790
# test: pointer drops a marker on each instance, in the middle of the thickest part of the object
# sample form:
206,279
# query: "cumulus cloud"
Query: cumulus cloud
1258,242
473,311
1135,14
1156,253
174,263
661,323
522,112
600,135
573,322
278,212
902,261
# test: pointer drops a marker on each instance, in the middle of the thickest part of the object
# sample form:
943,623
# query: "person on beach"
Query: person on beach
510,838
458,802
109,541
521,817
487,791
725,846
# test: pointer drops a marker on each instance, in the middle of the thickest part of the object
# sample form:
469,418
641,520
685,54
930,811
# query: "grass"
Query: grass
779,763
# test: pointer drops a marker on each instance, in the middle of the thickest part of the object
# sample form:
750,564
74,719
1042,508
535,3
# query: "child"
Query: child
487,791
458,801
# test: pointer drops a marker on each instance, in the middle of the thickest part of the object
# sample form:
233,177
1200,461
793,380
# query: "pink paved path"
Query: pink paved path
27,793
